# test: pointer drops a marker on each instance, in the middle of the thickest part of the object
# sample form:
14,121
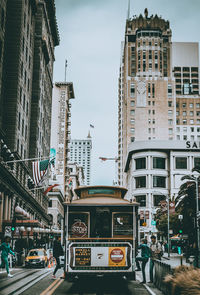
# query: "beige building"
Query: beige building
63,92
158,86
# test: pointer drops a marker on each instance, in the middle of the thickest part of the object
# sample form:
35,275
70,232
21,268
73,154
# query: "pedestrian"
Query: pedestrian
57,252
145,254
5,250
156,253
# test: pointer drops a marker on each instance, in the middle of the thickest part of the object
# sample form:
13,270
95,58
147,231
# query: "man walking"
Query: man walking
156,253
145,254
57,252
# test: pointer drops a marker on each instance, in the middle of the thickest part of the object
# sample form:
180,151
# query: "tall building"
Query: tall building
63,92
28,36
159,114
80,152
158,86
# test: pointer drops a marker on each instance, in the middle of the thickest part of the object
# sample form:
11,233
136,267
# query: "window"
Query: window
191,121
181,163
140,163
132,103
170,121
184,122
191,114
132,130
191,105
184,105
50,203
132,112
159,181
158,163
169,112
184,114
170,130
169,90
132,121
140,181
153,90
197,105
132,90
197,163
157,199
169,103
186,88
141,199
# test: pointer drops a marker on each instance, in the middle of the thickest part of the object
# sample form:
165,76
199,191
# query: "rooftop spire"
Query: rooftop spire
128,11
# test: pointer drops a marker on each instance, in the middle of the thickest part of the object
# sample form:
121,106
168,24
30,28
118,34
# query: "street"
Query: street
40,282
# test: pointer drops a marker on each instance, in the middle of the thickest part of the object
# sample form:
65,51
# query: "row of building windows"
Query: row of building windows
190,129
190,105
190,113
185,121
158,181
160,163
141,199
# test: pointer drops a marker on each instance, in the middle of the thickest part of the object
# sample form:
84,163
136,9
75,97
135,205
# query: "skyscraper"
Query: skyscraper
80,152
158,86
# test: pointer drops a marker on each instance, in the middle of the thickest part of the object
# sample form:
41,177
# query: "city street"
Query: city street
37,281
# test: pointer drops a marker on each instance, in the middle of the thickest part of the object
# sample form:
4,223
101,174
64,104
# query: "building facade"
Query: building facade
154,170
80,153
26,70
63,92
158,86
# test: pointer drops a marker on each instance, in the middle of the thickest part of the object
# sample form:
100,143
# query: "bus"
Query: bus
101,231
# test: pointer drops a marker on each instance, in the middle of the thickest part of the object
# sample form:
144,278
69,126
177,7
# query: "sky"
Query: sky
91,32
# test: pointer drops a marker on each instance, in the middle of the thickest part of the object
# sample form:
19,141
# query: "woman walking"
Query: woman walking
5,250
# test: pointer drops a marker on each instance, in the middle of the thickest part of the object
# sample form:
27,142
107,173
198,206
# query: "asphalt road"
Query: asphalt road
40,282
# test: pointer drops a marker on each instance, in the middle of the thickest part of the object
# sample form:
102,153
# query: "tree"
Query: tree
162,221
186,204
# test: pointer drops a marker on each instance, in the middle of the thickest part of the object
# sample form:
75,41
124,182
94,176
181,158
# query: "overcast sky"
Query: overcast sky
91,32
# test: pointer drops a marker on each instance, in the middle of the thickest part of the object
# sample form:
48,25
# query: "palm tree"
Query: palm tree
186,204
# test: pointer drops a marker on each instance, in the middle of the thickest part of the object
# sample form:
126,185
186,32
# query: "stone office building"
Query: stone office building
30,35
158,86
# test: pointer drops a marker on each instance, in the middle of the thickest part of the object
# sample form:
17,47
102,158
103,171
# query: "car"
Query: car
36,257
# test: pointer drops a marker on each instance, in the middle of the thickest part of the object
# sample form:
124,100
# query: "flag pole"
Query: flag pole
30,159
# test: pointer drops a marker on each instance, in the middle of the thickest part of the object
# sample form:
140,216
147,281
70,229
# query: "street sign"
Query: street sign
153,222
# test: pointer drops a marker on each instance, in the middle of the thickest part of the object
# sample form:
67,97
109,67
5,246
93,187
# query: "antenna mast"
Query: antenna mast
65,69
128,11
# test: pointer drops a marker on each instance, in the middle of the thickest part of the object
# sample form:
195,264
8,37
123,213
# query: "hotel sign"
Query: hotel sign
193,144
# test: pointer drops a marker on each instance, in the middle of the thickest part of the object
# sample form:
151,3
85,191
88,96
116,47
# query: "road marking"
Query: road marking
31,283
148,289
50,290
55,287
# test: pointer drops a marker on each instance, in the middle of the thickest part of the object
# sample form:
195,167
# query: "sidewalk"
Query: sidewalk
13,271
174,260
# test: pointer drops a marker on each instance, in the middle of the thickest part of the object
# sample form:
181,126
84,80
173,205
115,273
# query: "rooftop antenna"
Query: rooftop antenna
65,69
128,11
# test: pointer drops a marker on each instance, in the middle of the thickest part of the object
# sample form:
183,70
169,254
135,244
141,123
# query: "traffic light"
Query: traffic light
180,231
13,225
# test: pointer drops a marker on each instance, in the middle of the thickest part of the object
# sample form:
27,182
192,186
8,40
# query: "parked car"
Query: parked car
36,257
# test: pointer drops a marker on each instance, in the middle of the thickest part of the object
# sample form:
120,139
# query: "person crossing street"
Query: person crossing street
5,250
145,254
57,252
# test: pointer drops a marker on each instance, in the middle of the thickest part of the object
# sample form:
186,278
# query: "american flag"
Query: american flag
39,170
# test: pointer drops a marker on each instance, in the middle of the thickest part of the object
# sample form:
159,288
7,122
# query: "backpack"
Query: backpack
158,253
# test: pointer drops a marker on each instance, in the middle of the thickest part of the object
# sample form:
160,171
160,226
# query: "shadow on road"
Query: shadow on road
100,286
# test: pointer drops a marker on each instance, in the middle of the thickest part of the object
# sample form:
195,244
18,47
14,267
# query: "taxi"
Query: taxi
36,257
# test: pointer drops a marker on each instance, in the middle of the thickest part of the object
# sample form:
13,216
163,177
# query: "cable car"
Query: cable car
100,230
